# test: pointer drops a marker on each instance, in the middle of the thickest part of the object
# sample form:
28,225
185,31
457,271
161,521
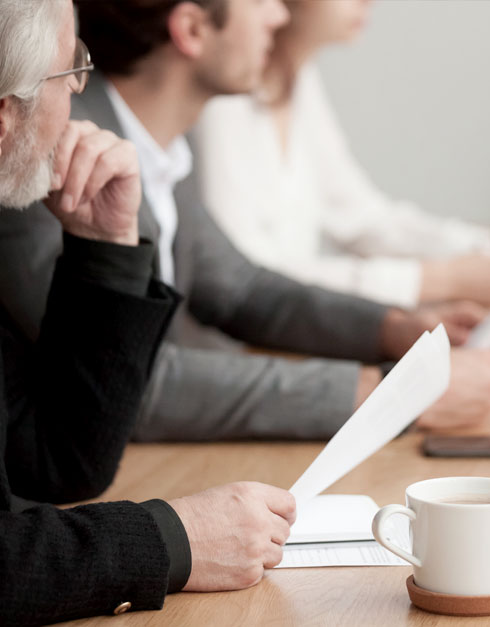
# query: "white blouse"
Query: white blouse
313,214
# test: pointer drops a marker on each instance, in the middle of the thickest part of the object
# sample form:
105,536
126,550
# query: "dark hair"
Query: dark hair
119,33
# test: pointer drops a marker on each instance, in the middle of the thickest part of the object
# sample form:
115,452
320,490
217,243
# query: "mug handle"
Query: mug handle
379,531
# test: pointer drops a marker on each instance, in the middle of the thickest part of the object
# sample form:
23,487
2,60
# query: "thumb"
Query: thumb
458,335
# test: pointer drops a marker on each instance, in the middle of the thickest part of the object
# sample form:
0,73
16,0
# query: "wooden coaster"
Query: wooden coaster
450,604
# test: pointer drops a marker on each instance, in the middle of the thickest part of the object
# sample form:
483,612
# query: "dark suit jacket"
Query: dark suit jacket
67,406
203,385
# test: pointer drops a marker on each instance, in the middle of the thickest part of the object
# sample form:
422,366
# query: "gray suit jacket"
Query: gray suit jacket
204,385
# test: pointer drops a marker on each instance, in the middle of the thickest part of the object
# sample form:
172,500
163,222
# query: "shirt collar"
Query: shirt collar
157,165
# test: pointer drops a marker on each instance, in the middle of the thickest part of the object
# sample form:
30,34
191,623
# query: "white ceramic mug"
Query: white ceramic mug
450,541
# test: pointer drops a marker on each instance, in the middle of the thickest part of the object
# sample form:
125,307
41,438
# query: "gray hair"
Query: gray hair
29,31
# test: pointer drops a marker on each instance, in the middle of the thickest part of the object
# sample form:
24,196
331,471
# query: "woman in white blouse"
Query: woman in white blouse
276,173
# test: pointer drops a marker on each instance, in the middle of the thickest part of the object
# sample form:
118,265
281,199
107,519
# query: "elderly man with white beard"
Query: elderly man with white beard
68,404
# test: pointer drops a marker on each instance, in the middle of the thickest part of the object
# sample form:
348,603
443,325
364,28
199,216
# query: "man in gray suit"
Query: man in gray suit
161,61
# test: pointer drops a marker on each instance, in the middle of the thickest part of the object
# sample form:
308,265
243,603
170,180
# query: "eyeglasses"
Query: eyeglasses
82,65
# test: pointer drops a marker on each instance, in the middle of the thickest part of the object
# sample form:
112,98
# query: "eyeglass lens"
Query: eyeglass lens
81,60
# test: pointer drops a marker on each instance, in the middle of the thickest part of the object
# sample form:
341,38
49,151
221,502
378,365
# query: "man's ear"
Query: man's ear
5,119
188,26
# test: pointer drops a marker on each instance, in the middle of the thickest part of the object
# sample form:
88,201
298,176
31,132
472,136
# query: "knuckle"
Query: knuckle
86,148
241,502
243,489
107,134
88,125
73,126
106,161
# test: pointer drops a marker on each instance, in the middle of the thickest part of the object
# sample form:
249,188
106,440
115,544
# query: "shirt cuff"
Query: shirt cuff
126,269
176,541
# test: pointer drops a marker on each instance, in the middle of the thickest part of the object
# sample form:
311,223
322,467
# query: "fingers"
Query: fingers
458,335
273,555
65,148
280,530
84,158
281,502
468,314
118,160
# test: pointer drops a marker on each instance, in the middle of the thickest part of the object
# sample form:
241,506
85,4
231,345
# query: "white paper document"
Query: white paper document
338,554
480,335
418,380
333,518
335,530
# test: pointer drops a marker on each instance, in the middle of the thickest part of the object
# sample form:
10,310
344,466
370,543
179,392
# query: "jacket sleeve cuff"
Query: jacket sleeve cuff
125,269
176,541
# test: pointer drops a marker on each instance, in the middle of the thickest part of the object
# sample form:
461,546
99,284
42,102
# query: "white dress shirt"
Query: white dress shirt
312,213
161,170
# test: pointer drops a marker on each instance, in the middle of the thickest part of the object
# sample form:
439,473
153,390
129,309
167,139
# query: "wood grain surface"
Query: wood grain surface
334,596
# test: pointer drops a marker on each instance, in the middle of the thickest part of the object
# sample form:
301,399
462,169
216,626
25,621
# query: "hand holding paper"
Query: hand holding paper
418,380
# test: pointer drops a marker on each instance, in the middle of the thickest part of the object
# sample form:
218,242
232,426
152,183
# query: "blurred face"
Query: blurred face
236,54
329,21
28,148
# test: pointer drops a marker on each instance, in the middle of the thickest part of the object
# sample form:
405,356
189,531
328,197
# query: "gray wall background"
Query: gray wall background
413,95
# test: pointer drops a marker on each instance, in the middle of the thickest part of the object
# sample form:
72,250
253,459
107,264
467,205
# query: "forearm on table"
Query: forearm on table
206,395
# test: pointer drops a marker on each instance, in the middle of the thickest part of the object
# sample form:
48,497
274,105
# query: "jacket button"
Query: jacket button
124,607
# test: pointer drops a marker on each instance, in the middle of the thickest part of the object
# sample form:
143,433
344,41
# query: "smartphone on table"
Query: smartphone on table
456,446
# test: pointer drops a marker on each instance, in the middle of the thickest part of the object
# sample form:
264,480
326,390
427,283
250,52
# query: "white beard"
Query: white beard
24,178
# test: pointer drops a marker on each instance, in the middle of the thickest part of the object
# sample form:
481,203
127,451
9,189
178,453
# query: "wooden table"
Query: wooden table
334,597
